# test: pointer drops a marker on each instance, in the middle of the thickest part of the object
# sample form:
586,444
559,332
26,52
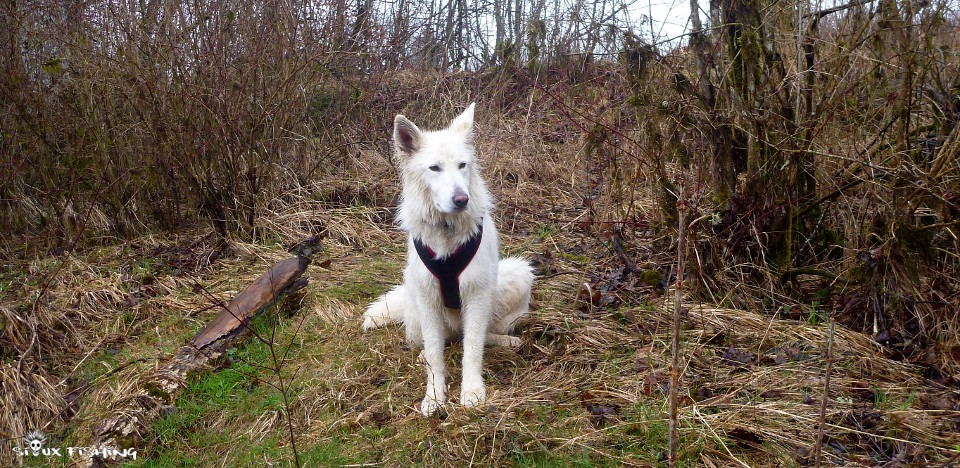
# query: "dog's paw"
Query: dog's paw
429,406
505,341
372,321
471,397
368,323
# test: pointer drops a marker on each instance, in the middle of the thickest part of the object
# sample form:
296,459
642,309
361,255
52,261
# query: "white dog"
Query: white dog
454,280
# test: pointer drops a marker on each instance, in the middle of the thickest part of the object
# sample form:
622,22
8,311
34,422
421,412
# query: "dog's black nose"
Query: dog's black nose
460,200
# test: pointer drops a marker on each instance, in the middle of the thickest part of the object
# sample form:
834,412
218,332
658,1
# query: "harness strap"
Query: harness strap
448,270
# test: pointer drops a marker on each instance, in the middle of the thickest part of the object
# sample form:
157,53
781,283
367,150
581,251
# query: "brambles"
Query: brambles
142,150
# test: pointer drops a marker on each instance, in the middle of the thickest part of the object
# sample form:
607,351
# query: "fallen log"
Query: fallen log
133,421
259,294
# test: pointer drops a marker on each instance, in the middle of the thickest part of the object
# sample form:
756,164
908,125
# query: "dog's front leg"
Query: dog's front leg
433,332
476,320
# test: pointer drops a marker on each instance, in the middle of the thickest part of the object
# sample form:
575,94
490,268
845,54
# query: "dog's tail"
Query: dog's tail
515,279
386,310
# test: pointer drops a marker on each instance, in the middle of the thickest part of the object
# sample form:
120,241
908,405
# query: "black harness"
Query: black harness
448,270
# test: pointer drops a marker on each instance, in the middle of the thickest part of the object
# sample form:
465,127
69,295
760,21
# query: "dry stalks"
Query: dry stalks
580,159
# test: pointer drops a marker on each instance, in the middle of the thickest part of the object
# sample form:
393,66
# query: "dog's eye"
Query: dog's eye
463,165
435,168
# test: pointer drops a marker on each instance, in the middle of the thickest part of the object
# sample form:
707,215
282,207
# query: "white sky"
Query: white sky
669,17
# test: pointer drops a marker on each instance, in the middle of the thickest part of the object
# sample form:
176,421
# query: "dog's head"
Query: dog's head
440,162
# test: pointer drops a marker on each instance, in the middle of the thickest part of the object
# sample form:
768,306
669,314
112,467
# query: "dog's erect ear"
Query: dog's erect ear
406,136
464,122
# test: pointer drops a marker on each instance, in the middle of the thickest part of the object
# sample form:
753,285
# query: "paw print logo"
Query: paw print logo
35,441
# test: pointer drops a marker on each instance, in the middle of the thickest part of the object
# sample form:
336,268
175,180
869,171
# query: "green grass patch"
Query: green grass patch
216,407
543,459
646,436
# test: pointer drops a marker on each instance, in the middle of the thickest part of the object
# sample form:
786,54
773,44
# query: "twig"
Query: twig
854,182
49,279
817,15
278,362
826,395
80,363
837,427
723,444
675,339
278,367
789,275
618,246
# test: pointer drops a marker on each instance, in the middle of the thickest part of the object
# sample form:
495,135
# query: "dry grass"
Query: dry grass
586,387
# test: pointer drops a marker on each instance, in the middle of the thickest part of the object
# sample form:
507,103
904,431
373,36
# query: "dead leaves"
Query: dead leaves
942,403
739,358
600,413
655,382
619,286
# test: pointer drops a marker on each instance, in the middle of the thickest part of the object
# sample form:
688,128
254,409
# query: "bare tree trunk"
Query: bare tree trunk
339,24
405,31
432,26
700,45
576,15
801,39
448,34
722,168
907,54
498,22
517,28
508,20
806,182
463,40
695,25
595,24
714,14
537,10
361,28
